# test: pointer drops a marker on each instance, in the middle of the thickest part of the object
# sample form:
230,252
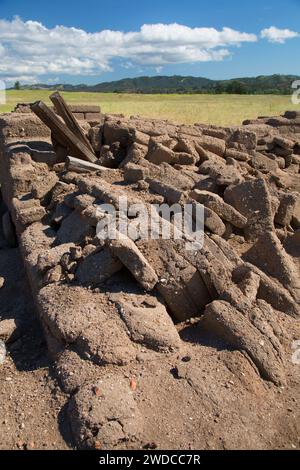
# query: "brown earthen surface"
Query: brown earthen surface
153,345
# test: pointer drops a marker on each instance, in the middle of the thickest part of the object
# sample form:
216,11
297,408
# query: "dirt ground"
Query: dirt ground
33,408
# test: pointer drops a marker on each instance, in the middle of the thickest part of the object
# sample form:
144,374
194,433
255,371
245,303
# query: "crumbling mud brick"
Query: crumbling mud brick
252,199
226,322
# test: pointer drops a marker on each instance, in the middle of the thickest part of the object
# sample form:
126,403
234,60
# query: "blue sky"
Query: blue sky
186,37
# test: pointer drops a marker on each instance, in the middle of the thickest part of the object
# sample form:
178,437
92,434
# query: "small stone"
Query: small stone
88,250
143,185
97,391
133,384
2,351
65,261
53,275
150,445
76,253
7,329
97,445
140,358
186,359
29,445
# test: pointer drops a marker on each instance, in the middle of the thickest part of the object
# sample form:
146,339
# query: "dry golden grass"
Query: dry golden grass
214,109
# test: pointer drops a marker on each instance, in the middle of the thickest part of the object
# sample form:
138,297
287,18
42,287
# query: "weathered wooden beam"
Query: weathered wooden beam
63,134
64,111
80,166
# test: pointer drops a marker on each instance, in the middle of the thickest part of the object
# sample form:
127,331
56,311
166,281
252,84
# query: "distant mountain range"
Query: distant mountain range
273,84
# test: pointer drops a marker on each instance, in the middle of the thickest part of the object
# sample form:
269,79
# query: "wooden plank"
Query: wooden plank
80,166
64,111
62,133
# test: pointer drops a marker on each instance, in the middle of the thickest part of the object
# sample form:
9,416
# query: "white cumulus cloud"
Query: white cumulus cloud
274,34
29,49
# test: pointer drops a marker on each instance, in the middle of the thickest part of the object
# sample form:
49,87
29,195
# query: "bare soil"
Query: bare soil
33,407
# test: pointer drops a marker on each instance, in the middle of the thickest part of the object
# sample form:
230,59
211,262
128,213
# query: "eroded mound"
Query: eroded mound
137,325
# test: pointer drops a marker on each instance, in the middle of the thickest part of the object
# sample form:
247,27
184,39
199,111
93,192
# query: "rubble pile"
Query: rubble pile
104,305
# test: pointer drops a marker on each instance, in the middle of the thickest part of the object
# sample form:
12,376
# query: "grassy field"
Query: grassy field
213,109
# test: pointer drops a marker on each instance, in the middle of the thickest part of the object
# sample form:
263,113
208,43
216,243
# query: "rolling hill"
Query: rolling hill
273,84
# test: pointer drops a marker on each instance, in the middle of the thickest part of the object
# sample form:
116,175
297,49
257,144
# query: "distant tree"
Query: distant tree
220,88
236,87
17,85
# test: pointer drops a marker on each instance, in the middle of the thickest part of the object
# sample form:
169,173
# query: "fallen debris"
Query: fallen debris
128,253
223,210
80,166
115,307
239,333
252,199
62,132
64,111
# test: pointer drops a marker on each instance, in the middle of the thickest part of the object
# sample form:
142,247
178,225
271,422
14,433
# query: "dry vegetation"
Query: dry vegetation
217,109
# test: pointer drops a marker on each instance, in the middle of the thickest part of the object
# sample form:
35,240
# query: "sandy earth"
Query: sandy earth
33,406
